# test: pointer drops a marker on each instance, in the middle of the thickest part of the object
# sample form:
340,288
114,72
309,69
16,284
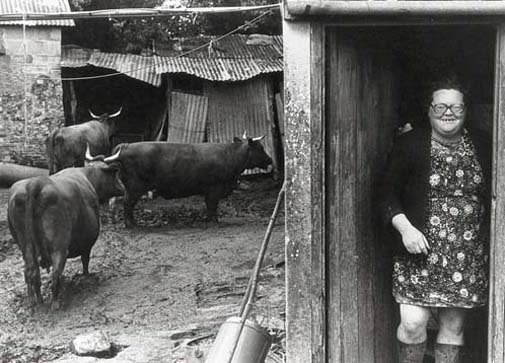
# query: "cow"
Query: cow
176,170
65,146
52,218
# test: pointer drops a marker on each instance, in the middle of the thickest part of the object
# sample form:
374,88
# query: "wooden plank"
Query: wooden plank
335,348
318,191
346,198
496,340
360,124
385,308
374,8
305,270
368,117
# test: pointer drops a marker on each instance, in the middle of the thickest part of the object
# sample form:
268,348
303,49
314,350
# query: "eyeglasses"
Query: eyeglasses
441,108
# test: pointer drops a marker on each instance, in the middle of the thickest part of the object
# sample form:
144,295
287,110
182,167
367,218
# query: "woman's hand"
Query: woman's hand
413,240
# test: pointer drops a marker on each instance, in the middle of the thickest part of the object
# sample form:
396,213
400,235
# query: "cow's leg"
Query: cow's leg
31,266
211,201
85,262
130,200
58,260
32,276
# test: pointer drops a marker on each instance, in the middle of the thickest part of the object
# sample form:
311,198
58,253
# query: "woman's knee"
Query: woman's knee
413,327
414,321
452,321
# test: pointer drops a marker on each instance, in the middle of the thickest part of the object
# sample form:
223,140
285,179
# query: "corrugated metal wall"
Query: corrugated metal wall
238,107
187,119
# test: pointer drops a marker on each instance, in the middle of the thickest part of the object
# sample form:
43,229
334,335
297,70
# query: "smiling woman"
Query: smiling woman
436,196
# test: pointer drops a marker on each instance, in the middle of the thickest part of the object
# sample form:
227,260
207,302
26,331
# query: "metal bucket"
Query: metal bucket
252,346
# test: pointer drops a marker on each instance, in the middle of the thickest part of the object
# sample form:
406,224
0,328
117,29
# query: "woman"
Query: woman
436,196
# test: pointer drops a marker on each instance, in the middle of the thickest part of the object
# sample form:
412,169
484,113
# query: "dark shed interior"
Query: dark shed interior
143,105
377,80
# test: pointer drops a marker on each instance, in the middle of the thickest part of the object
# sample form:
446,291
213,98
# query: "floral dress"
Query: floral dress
454,274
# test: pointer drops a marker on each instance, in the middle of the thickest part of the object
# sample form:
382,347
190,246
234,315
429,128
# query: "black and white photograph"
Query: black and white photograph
252,181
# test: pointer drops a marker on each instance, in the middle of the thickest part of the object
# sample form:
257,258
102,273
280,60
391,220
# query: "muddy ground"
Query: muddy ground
174,272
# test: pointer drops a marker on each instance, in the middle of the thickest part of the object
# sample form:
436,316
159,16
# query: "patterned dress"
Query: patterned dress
454,274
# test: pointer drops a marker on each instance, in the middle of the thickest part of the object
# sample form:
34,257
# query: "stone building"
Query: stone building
30,85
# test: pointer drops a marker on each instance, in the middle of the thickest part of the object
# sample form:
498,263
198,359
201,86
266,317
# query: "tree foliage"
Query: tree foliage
135,34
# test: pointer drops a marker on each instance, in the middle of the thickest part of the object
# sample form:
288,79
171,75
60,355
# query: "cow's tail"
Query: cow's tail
34,244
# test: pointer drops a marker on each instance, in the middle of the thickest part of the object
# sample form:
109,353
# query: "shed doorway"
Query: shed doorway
375,82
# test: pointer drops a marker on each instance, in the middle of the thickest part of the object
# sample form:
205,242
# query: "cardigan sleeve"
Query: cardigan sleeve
394,178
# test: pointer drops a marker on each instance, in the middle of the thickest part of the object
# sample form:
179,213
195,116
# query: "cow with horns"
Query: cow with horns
65,146
176,170
56,217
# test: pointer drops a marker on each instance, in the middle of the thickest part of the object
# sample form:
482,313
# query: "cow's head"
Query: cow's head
109,181
256,155
105,116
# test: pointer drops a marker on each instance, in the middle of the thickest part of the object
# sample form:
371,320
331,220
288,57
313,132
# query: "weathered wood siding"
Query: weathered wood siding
304,175
360,120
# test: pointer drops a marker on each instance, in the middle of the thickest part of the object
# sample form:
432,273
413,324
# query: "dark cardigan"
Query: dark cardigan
404,185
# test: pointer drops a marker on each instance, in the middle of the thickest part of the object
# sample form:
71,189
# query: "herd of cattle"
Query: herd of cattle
56,217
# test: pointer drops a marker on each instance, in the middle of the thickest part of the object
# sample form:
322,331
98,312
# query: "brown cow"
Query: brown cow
53,218
65,146
180,170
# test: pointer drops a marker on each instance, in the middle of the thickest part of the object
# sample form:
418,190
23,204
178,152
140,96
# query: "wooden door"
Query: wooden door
360,121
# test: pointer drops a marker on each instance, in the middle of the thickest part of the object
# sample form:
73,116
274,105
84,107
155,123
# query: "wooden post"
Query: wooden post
496,338
305,191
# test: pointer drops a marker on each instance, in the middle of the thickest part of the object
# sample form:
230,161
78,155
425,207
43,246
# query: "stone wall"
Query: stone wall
31,96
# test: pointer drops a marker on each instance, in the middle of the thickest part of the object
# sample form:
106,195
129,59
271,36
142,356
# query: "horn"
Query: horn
87,155
93,115
113,157
258,138
116,113
244,136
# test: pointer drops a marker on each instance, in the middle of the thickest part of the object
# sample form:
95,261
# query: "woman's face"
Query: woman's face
449,124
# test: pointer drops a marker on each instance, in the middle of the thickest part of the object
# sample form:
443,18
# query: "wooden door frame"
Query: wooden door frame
305,192
304,77
496,317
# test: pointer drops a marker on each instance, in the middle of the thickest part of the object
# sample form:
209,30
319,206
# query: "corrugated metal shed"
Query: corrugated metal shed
132,65
36,6
234,58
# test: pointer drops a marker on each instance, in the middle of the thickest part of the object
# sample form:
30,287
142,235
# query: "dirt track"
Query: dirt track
172,272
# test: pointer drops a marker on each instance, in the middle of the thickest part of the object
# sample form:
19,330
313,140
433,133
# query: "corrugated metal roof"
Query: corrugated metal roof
219,69
132,65
233,58
36,6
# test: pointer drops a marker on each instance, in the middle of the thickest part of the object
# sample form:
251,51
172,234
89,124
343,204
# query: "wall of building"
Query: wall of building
30,92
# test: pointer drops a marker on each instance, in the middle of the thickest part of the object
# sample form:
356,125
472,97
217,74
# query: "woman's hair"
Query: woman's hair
448,81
